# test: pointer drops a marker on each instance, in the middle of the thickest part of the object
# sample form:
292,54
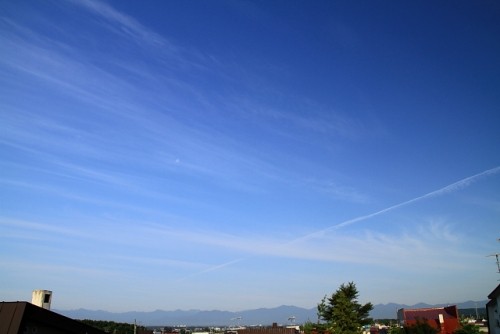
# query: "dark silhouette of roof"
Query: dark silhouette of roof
24,317
493,294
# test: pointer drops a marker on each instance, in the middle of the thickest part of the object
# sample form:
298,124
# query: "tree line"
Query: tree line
115,327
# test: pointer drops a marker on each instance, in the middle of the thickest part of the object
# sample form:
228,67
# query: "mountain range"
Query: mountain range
261,316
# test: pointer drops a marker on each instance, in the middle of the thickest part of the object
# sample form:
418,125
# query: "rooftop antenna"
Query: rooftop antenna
498,262
496,255
292,319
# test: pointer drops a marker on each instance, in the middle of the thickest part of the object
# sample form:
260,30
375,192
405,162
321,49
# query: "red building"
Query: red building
444,319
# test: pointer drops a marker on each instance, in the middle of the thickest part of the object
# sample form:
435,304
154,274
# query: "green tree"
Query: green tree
468,329
396,330
342,312
114,327
421,327
310,328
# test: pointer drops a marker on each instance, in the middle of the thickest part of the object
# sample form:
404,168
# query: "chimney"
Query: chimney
42,298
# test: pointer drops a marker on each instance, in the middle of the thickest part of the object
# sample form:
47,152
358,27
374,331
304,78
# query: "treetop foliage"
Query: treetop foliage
114,327
342,312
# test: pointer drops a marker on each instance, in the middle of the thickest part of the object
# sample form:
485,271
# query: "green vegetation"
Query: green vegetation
468,329
114,327
342,313
396,330
476,313
309,327
421,327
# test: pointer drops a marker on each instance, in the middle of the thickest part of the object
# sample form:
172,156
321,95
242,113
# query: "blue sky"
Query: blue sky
243,154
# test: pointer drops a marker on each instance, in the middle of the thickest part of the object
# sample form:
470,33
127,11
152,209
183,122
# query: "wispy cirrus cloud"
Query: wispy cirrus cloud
323,245
126,27
37,227
189,148
336,124
426,239
157,261
368,247
53,270
124,24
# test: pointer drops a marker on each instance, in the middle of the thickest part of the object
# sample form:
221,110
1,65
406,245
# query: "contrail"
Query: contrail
213,268
442,191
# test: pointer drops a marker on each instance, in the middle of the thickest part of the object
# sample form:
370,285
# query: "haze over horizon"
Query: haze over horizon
236,155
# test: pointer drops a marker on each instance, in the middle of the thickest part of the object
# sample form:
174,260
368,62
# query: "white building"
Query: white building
493,311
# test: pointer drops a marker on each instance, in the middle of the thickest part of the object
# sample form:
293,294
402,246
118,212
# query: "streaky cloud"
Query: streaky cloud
212,268
456,186
131,27
463,183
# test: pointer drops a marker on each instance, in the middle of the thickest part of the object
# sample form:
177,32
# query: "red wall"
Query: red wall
431,316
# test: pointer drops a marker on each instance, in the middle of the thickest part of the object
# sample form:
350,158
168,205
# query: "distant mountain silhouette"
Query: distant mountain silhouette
261,316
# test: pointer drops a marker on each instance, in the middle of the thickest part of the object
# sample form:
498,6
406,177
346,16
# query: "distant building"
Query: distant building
26,318
493,311
275,329
444,319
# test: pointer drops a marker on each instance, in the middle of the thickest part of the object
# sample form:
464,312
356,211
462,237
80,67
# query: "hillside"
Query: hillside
261,316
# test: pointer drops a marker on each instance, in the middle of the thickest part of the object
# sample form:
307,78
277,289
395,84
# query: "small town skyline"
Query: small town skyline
264,316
